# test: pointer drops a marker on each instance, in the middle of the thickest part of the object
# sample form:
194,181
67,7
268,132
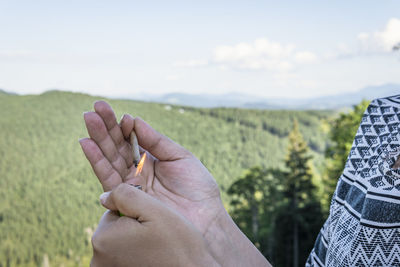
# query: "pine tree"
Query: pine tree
254,202
246,195
300,216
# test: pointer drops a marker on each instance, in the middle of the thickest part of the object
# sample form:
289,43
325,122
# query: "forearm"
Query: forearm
230,247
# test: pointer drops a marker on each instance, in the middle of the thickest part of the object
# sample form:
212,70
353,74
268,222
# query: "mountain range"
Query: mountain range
242,100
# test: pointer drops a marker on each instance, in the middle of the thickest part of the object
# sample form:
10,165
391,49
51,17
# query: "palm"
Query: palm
171,174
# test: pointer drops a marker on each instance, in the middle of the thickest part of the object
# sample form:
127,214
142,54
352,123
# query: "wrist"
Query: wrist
229,246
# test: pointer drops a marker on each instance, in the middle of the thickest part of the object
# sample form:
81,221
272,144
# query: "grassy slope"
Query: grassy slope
49,194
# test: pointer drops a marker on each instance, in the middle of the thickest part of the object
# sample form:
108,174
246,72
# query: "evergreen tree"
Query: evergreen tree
300,217
254,202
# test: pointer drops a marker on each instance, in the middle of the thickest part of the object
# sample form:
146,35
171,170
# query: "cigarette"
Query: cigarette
135,147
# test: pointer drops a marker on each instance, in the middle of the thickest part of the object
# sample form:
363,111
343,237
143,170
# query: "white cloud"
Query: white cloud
267,55
259,49
258,55
368,43
381,41
262,54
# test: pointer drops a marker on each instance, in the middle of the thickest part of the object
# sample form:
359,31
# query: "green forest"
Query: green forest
49,194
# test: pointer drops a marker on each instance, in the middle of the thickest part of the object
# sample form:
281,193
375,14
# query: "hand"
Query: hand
149,234
171,174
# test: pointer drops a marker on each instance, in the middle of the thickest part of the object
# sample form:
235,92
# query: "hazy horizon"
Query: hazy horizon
141,95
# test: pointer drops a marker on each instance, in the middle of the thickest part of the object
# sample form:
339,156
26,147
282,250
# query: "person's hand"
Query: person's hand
150,234
171,173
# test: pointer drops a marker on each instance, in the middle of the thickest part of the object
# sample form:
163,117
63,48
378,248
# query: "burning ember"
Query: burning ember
140,165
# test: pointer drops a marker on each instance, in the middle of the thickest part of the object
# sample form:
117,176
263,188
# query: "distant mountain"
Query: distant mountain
206,100
341,100
248,101
243,100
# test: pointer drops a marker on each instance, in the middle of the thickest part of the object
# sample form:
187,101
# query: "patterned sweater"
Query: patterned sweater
363,227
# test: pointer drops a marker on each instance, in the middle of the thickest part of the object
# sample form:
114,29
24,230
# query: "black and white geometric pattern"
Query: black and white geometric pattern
363,227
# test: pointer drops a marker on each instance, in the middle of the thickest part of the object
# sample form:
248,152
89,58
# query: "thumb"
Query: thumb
154,142
132,202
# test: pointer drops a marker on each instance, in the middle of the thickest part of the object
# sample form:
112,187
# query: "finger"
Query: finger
107,175
114,130
98,132
132,202
127,125
157,144
107,114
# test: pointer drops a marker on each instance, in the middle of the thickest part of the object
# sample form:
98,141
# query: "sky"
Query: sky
295,49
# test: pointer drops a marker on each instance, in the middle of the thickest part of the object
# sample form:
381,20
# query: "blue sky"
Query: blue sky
131,48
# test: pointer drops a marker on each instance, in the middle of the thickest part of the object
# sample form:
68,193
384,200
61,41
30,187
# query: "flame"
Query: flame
140,165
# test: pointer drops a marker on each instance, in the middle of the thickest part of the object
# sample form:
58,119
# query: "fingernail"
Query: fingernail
104,196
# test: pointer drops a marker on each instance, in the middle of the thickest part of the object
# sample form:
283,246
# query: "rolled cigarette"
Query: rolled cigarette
135,148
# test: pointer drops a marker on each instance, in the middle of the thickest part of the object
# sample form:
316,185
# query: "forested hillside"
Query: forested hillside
49,195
